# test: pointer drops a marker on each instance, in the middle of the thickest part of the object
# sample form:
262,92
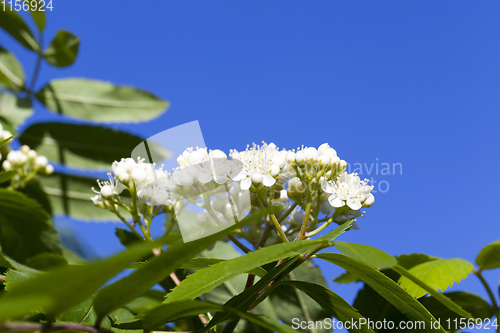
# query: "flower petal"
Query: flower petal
335,201
268,180
246,183
354,204
326,186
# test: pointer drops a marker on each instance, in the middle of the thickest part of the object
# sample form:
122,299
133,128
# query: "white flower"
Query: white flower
261,164
347,189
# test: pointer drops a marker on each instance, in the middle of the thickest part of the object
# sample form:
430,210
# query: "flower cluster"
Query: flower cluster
308,184
27,164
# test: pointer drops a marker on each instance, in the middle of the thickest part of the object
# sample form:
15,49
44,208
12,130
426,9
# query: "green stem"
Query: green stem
37,65
288,212
306,219
239,244
496,309
281,233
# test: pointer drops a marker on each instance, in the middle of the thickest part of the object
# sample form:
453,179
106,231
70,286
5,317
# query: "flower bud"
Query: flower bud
106,191
274,170
25,149
138,175
32,154
257,178
300,157
6,165
290,157
49,169
311,154
370,200
41,162
324,160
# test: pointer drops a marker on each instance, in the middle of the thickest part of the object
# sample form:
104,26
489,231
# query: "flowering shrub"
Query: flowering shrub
240,235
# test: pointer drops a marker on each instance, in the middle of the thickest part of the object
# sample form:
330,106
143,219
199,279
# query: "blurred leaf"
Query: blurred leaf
489,257
15,110
208,278
14,25
63,288
127,238
7,175
46,261
17,272
11,71
35,191
38,15
474,304
367,254
334,304
78,194
157,269
290,302
200,263
63,49
83,145
25,228
387,288
172,311
100,101
83,313
437,274
432,291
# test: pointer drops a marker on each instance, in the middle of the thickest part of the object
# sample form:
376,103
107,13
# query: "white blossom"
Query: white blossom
347,189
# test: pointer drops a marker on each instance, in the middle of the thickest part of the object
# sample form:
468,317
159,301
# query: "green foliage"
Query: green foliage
370,255
12,23
384,286
489,257
63,49
170,312
11,71
59,290
208,278
100,101
25,228
15,110
438,274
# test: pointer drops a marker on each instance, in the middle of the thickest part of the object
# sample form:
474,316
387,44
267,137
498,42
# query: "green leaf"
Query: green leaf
25,227
234,286
384,286
83,145
290,302
7,175
14,25
35,191
46,261
100,101
437,274
37,15
127,238
334,304
172,311
5,141
470,303
410,260
15,110
367,254
63,288
427,288
346,277
11,71
77,197
489,257
157,269
200,263
83,313
208,278
63,49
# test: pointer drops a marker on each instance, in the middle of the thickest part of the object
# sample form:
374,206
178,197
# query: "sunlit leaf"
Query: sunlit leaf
489,257
368,254
11,71
15,110
100,101
438,274
63,49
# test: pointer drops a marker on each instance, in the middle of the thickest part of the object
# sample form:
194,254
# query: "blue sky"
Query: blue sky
409,82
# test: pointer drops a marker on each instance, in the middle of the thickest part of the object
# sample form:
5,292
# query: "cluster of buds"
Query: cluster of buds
27,163
309,185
